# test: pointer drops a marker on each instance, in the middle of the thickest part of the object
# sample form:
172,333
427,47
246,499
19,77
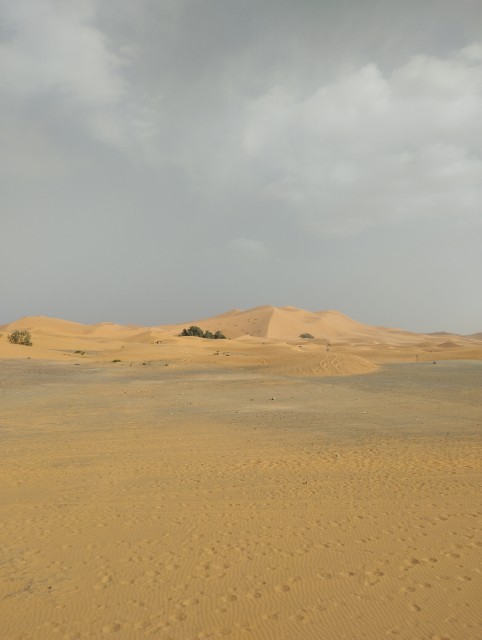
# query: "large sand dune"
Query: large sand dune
288,323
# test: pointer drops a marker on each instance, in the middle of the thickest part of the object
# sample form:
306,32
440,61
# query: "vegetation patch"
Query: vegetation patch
197,331
307,336
20,336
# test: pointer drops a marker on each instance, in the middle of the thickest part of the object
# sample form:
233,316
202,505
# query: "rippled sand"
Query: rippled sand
143,501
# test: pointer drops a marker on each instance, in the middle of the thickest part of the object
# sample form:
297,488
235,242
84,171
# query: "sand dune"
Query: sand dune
287,323
264,337
42,324
449,344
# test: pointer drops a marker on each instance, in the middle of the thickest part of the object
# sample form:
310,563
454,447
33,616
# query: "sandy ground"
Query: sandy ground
188,502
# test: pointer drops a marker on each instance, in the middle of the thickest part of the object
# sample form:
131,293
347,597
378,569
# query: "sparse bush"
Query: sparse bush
307,336
20,336
115,360
193,331
208,335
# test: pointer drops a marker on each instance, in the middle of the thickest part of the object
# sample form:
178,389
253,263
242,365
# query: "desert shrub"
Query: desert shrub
307,336
208,335
193,331
20,336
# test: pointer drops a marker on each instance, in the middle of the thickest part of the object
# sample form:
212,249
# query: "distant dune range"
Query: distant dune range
264,337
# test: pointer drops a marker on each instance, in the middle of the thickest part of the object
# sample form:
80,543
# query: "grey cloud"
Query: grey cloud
249,246
54,47
55,51
283,150
368,149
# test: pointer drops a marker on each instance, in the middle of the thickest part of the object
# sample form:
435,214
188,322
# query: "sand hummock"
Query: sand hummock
264,487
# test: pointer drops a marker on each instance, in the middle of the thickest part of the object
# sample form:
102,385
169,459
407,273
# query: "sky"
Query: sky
168,160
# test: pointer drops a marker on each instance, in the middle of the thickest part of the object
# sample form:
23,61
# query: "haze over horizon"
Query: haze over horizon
168,161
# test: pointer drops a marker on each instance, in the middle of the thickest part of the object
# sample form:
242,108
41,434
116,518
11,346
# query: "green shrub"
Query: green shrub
197,331
20,336
193,331
307,336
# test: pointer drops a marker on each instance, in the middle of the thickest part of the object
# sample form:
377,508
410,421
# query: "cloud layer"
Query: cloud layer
262,140
370,149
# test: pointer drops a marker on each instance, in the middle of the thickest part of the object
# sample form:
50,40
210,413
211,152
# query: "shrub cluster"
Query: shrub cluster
197,331
20,336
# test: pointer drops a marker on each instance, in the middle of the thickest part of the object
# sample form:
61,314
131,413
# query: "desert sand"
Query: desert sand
264,486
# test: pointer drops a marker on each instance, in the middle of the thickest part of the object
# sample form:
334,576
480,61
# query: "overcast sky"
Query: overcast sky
168,160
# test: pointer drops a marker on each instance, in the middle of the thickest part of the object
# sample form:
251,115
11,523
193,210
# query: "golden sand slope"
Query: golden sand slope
288,323
152,502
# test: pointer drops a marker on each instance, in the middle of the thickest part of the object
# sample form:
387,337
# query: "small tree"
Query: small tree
20,336
219,336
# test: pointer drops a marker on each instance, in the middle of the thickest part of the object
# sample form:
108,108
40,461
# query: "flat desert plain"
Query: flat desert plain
263,487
